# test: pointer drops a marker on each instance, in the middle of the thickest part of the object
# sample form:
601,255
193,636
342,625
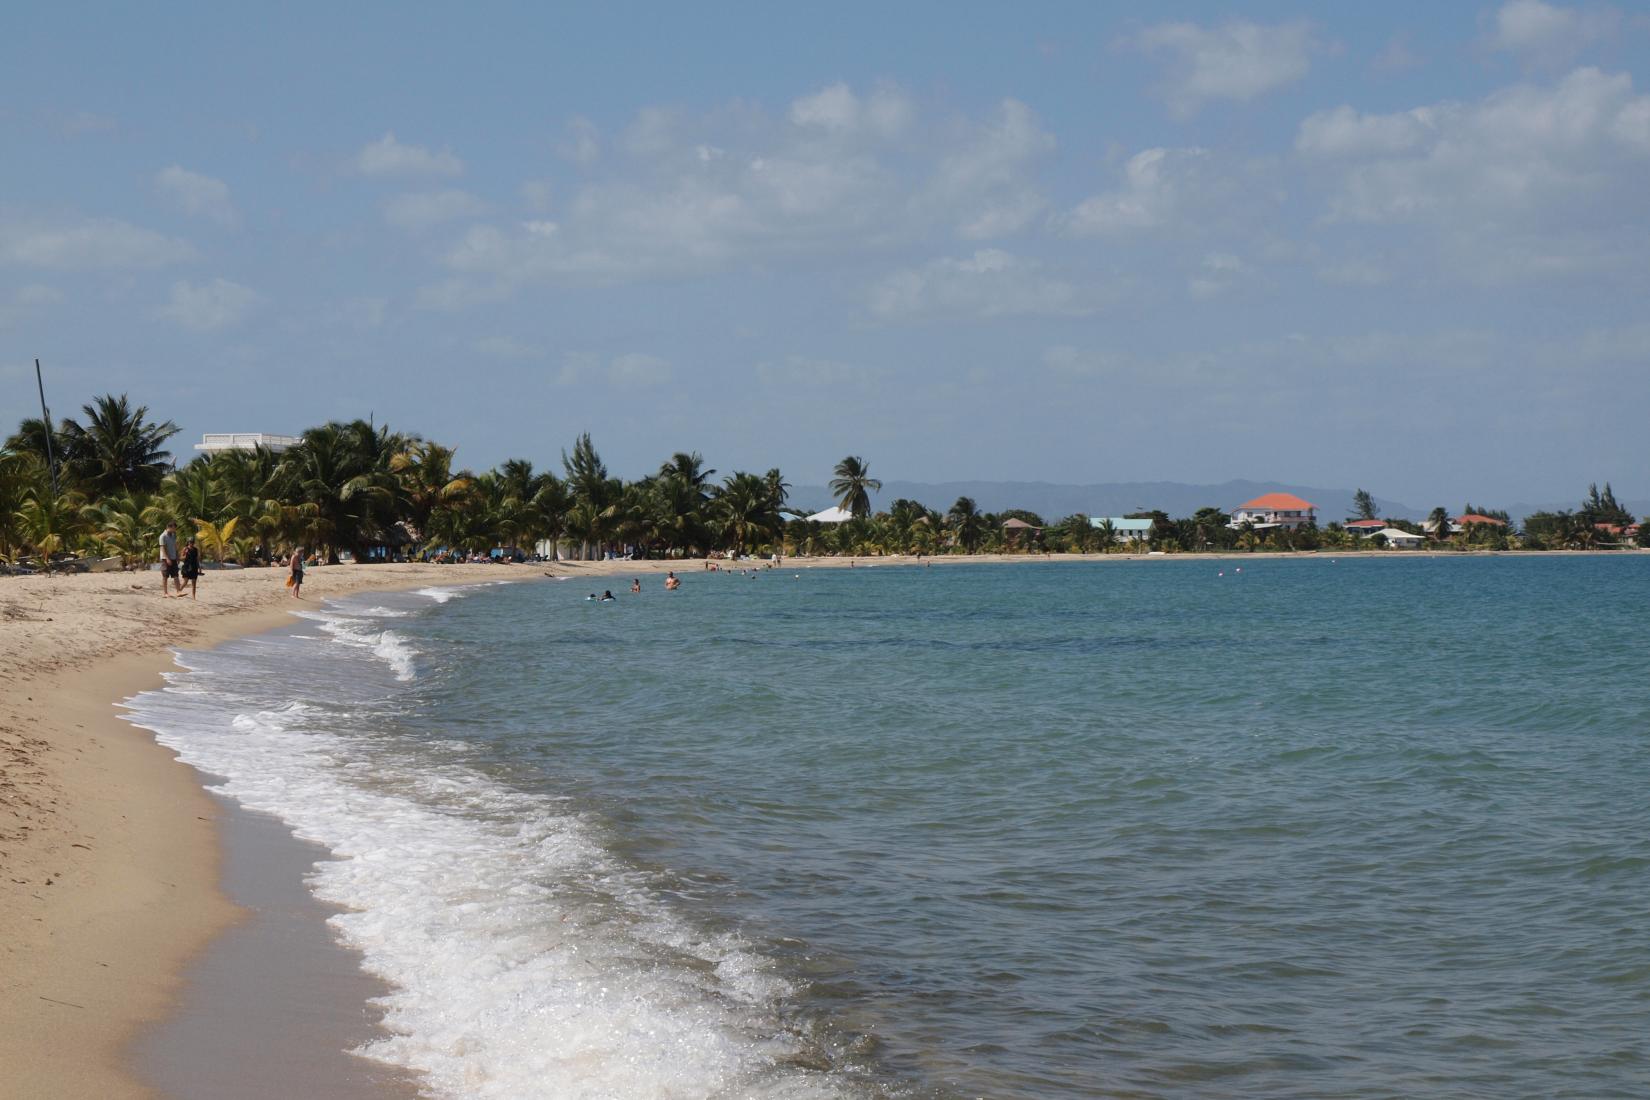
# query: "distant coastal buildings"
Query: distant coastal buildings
217,442
1273,510
1125,528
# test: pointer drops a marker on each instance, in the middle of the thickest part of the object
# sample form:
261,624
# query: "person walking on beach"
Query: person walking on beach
191,568
295,579
169,559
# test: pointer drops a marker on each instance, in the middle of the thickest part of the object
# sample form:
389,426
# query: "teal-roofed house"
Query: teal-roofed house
1124,529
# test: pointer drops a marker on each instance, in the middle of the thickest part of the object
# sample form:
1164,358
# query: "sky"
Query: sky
1398,246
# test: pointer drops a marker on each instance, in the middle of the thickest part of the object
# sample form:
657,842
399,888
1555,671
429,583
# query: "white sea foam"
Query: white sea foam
441,595
380,612
525,959
392,648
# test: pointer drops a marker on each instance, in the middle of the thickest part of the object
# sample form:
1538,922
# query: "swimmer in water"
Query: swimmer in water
636,585
607,595
672,581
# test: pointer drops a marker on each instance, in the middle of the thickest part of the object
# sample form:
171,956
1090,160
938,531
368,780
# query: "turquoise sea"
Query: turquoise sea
1168,829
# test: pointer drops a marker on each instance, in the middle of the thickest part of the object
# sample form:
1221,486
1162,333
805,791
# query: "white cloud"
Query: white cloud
1237,60
207,307
90,245
1518,152
638,369
421,210
197,195
389,157
986,180
990,283
1155,183
1345,132
1548,36
884,113
737,186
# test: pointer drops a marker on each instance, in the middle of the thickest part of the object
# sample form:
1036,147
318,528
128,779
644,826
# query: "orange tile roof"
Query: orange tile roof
1278,502
1376,523
1474,517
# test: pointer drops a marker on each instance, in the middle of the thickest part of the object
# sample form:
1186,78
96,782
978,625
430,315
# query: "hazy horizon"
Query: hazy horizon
1398,248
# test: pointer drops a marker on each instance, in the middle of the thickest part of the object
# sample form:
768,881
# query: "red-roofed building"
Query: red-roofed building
1275,510
1474,517
1363,527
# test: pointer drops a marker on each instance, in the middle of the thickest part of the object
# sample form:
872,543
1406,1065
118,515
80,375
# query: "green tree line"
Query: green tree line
105,484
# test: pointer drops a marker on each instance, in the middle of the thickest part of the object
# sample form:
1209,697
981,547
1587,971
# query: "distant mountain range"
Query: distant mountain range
1118,498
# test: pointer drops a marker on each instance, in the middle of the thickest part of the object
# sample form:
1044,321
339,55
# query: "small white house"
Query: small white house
217,442
1399,539
1123,528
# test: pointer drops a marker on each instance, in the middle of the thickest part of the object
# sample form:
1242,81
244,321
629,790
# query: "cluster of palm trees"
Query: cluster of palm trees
105,485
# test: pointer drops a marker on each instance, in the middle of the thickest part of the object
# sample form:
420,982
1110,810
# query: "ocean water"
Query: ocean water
1167,829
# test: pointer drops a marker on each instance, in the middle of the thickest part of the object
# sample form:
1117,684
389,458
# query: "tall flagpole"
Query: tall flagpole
46,419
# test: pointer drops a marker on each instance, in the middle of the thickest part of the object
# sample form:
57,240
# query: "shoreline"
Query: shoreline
111,852
111,865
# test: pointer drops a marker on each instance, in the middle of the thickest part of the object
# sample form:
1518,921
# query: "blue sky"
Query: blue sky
1400,246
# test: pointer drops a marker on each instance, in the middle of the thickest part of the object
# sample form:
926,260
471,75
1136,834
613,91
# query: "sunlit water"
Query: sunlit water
1317,828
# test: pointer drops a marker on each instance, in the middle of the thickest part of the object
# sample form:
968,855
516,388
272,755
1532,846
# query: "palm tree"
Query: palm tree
966,522
21,476
690,470
216,539
48,522
593,493
778,488
118,449
428,482
124,526
745,510
1439,524
547,510
339,475
853,486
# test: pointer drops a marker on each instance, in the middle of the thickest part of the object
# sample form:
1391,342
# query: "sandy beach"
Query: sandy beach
110,876
109,857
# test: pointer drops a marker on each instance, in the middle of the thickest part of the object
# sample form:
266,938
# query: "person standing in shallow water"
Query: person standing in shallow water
295,577
672,582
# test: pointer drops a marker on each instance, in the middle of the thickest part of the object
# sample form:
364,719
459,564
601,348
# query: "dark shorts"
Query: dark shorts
168,569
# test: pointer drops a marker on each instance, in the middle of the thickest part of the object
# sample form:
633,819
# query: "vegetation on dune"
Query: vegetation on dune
361,489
